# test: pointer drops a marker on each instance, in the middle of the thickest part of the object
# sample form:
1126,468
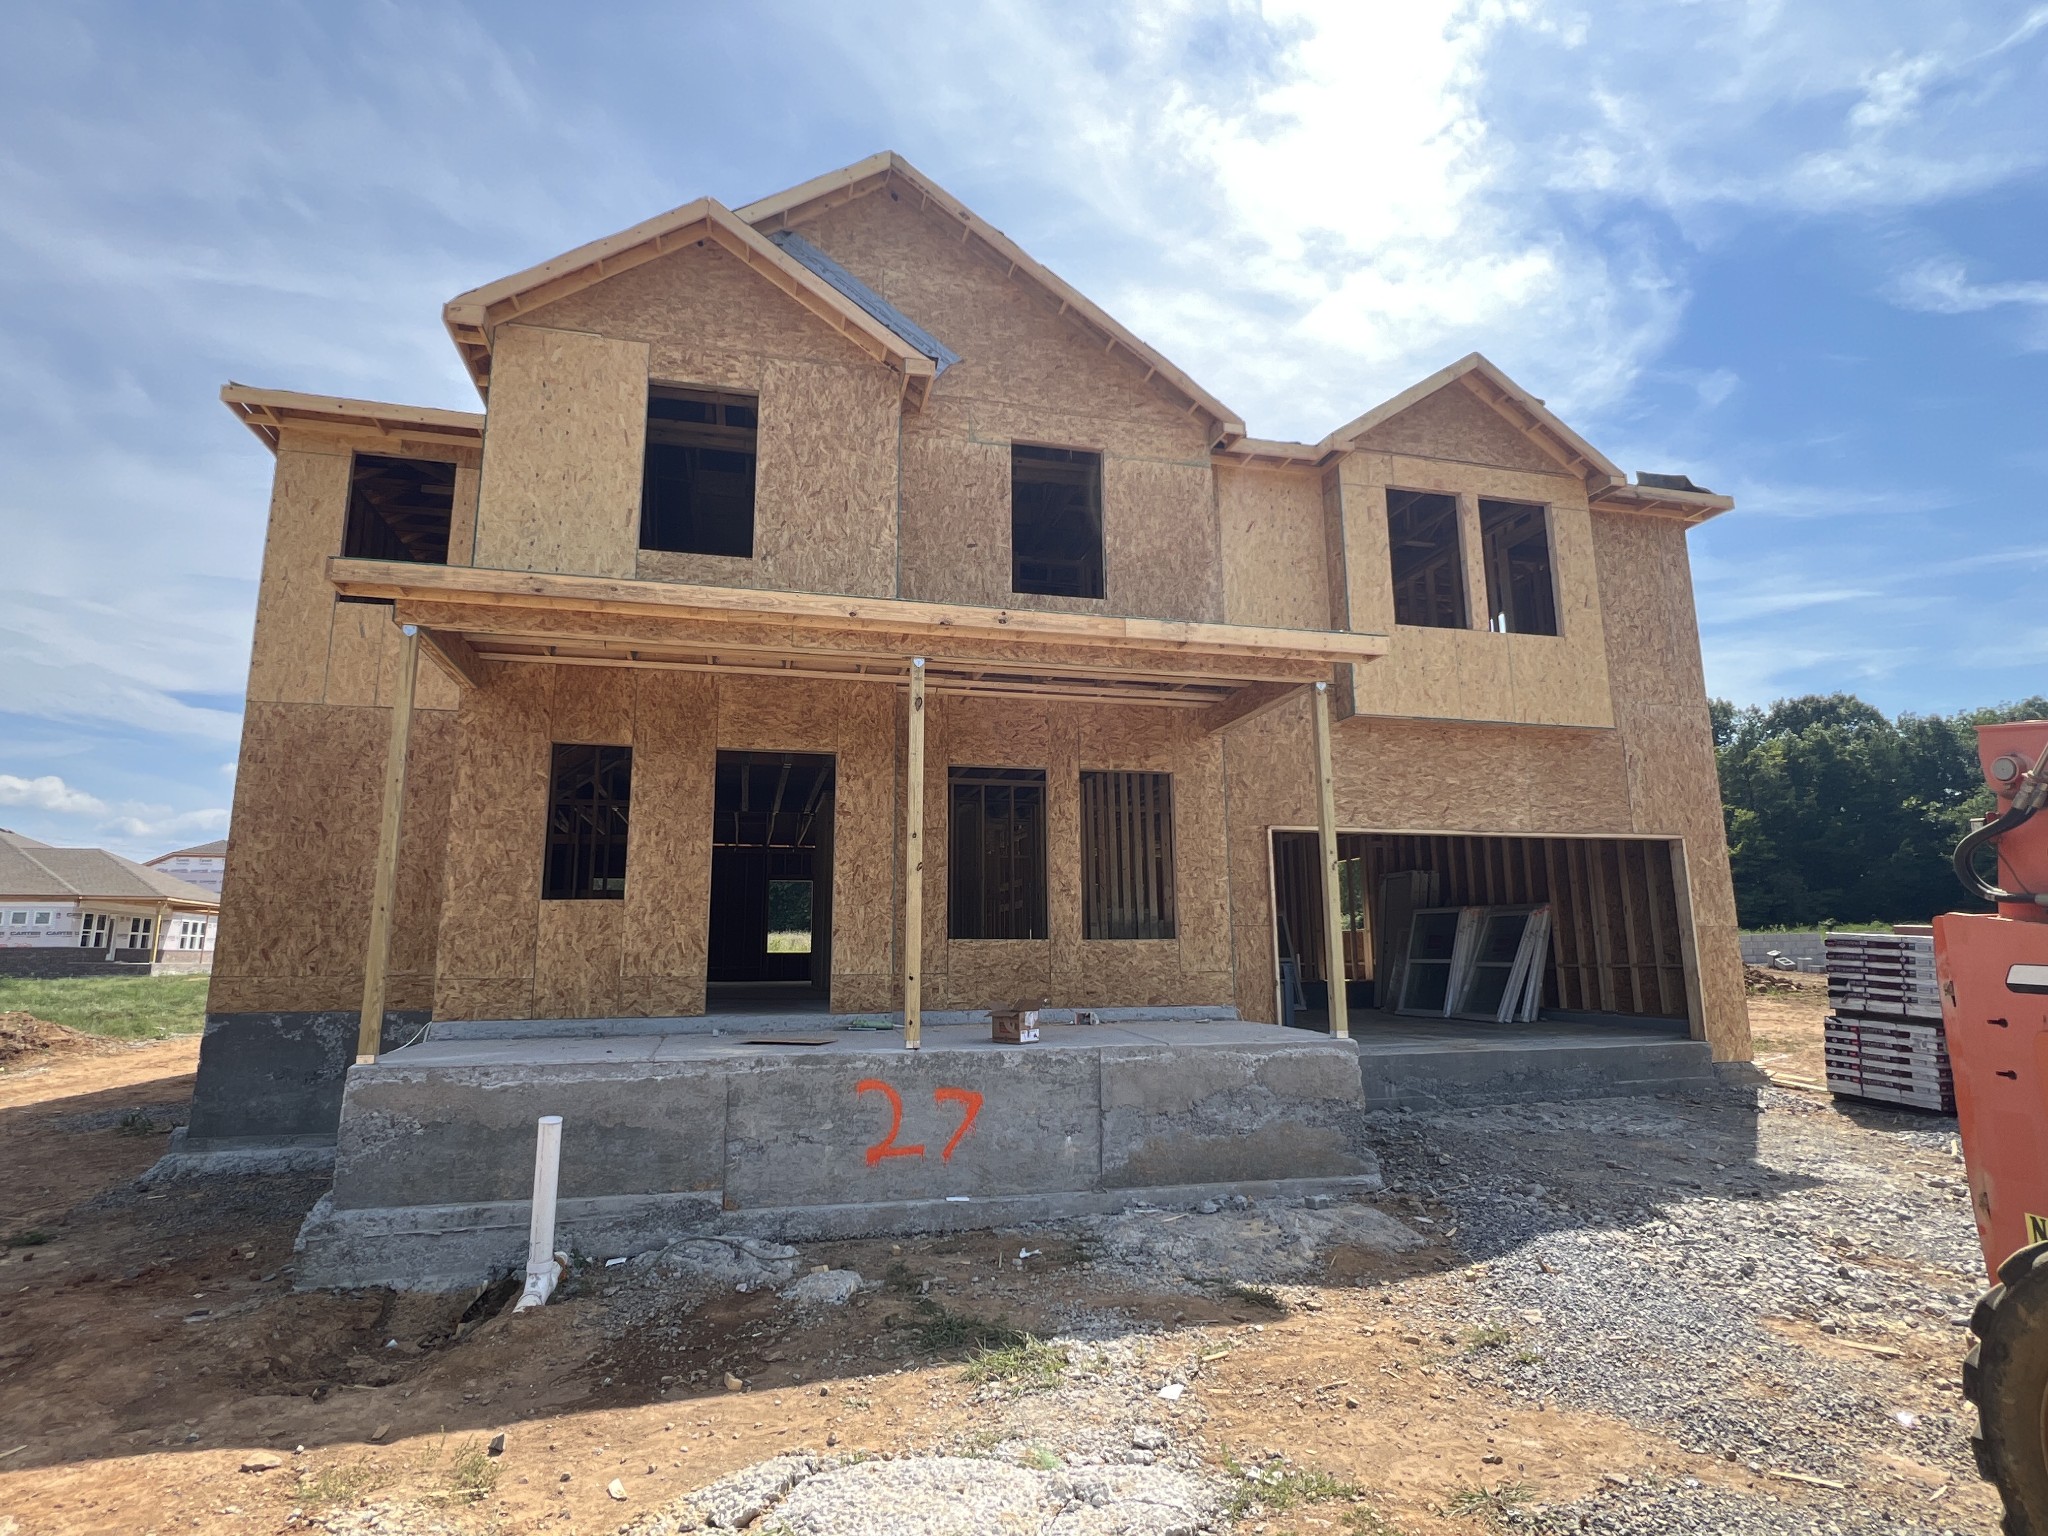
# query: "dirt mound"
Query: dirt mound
25,1039
1759,979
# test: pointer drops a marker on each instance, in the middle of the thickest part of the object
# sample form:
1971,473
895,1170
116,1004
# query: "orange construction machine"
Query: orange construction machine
1993,972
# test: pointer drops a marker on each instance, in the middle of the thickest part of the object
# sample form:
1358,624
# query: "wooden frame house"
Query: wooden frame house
833,610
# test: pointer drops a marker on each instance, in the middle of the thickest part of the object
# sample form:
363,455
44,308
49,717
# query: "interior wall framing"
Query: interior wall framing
1617,940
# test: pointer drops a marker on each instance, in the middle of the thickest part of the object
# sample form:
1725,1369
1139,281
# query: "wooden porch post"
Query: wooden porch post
913,869
384,883
156,944
1333,901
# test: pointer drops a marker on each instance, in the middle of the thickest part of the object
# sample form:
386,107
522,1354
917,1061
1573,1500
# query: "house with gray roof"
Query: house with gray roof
86,911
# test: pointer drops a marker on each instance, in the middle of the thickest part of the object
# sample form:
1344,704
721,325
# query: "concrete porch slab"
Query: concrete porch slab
668,1133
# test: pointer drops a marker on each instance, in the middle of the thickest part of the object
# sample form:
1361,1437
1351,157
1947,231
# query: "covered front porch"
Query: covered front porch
879,766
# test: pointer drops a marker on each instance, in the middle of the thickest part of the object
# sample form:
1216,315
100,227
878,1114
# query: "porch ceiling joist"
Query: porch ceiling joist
492,609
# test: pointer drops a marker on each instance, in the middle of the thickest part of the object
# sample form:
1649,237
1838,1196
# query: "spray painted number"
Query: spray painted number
968,1100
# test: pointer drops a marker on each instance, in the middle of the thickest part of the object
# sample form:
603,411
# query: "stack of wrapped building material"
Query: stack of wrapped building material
1884,1038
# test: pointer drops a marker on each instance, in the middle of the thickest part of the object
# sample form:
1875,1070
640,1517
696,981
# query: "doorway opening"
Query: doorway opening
771,882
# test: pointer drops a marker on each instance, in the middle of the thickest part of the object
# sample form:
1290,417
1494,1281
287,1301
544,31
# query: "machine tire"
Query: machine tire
2006,1376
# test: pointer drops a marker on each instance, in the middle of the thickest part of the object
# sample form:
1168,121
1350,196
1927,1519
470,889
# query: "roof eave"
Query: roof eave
267,412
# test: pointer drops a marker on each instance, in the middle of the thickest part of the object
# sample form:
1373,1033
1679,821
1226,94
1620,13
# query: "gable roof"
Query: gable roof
1474,372
788,208
473,317
31,870
217,849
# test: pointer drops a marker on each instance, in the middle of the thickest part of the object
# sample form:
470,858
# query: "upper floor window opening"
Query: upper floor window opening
1521,596
399,509
1127,883
697,484
1422,544
1055,521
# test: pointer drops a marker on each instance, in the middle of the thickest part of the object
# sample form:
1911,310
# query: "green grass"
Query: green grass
1495,1501
941,1332
1031,1365
117,1007
344,1484
1279,1489
1487,1338
470,1474
795,943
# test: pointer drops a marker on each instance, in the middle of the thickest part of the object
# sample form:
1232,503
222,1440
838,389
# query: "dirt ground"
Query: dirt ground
158,1373
1785,1025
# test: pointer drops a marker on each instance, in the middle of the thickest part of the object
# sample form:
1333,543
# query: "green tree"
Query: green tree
1837,813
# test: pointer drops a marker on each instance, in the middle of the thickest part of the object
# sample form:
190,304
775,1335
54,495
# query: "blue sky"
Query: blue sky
1795,251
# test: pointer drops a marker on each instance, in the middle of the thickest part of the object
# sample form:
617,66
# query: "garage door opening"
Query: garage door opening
1470,929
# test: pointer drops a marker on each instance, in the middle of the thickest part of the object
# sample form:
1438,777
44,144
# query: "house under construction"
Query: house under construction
835,620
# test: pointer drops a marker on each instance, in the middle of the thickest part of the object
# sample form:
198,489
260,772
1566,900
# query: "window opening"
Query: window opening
1422,542
399,509
1521,597
141,933
697,484
997,832
1127,856
1055,521
789,917
95,931
191,933
590,794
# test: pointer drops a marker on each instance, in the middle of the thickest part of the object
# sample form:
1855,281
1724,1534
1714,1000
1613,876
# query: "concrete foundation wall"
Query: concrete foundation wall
56,961
684,1131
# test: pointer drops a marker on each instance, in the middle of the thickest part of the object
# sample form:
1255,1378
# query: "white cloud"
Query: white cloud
1944,288
49,793
156,821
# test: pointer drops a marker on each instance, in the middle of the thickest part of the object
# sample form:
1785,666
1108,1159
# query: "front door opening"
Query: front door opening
771,882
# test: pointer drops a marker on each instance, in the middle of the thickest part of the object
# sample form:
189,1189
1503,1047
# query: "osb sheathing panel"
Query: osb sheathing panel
308,506
562,453
576,960
1474,674
956,517
825,490
1027,375
1660,705
497,829
295,911
1271,524
362,661
668,857
1454,423
1065,740
857,724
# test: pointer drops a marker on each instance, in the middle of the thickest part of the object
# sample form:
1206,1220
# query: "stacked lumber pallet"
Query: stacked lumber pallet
1883,1033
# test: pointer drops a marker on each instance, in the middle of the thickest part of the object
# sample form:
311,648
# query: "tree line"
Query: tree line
1838,814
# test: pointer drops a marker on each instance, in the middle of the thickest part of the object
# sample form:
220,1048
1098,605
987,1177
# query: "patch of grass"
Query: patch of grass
1251,1295
1032,1365
136,1123
1495,1337
1277,1488
34,1238
1494,1502
942,1332
1365,1522
1042,1459
1526,1357
116,1007
344,1484
470,1475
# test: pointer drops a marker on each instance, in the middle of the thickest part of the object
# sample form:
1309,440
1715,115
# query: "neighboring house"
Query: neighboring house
75,911
202,866
830,562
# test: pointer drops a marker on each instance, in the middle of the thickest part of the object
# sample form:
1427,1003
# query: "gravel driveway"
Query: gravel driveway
1760,1276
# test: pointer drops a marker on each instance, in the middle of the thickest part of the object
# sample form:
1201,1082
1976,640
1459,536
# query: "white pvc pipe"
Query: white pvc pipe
543,1265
